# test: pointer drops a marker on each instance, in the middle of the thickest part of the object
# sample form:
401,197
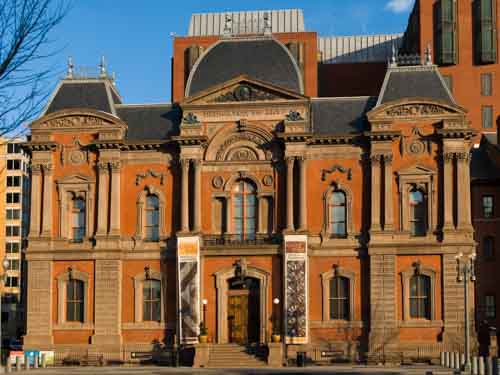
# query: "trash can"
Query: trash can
301,359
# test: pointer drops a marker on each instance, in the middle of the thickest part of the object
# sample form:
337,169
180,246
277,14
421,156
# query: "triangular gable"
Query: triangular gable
75,179
240,90
415,170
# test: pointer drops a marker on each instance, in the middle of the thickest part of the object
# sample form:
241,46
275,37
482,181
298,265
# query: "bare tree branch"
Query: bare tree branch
25,26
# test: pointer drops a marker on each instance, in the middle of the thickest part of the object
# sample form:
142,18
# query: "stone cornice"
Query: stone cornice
383,136
40,146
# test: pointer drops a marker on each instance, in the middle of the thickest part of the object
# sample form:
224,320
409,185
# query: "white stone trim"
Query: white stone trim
141,213
62,281
405,289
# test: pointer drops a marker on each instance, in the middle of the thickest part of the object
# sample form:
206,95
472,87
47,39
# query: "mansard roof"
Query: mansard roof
150,122
263,58
340,116
421,81
98,94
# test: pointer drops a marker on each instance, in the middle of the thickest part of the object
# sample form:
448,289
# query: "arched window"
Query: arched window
488,248
337,209
151,300
74,301
339,298
152,227
244,210
78,219
418,213
420,297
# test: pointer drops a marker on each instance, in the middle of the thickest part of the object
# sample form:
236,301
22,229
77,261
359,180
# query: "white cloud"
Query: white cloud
399,6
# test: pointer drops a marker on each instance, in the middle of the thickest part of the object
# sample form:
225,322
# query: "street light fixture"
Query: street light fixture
466,273
276,302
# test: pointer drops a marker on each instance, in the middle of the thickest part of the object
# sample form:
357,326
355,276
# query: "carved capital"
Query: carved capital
463,156
103,166
448,157
185,164
290,160
48,168
36,169
115,165
388,158
376,159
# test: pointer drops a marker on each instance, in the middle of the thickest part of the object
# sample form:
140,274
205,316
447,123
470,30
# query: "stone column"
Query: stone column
463,191
185,195
262,204
375,218
36,196
47,200
388,206
115,197
197,196
448,158
108,296
102,201
303,194
289,194
39,305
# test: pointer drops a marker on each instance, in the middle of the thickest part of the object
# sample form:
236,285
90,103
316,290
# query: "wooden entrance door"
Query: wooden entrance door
237,316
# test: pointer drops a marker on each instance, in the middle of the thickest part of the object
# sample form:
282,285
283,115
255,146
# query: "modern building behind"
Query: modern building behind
14,221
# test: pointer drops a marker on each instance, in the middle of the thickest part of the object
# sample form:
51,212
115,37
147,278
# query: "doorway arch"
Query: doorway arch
222,279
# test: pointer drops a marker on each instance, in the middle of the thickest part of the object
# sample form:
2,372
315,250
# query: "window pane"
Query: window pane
338,198
156,314
146,311
156,289
487,111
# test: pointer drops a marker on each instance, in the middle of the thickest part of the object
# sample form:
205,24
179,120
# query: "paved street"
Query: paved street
344,370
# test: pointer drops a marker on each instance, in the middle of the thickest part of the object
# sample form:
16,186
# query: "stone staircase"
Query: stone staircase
235,356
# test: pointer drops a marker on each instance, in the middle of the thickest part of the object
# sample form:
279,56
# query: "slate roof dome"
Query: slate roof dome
264,59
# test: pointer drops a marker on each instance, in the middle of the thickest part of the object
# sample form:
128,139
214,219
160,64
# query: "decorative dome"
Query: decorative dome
264,59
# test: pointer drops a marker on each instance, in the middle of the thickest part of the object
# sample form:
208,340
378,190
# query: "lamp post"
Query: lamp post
276,302
5,265
466,273
205,303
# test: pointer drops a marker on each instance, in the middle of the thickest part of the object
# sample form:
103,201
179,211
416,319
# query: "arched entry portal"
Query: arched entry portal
224,281
243,315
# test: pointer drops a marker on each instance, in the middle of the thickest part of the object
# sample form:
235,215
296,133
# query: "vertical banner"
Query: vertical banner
296,295
188,271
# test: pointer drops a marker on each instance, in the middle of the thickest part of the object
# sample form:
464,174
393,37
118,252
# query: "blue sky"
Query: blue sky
135,35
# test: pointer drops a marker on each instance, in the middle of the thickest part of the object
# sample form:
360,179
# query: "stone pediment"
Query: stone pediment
406,109
75,179
242,90
416,170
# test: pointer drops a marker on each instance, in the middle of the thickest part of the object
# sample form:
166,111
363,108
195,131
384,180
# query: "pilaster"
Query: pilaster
185,195
448,190
115,197
388,194
197,196
47,199
36,196
102,212
453,302
376,160
302,162
463,192
289,194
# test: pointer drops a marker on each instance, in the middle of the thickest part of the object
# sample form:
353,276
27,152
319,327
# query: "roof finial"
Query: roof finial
267,24
71,67
393,57
428,55
102,68
228,25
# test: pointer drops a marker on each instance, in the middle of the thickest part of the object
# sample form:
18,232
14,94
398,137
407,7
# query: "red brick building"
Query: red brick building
252,188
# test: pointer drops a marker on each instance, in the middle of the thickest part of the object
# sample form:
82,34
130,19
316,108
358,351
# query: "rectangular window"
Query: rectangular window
13,214
488,206
13,148
12,281
12,230
490,306
12,247
12,198
485,49
13,181
13,265
445,32
487,112
486,84
13,164
448,81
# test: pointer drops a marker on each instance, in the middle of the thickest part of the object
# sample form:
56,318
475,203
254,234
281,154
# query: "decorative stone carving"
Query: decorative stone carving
411,110
238,137
294,116
267,180
74,153
115,165
415,144
77,157
149,173
190,119
218,182
376,159
245,93
336,168
463,156
448,157
74,122
243,154
296,299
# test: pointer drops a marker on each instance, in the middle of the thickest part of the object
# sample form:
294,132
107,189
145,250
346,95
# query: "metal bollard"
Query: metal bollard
481,365
488,366
8,365
441,359
44,360
462,360
35,361
446,359
452,360
475,364
18,363
27,362
457,360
